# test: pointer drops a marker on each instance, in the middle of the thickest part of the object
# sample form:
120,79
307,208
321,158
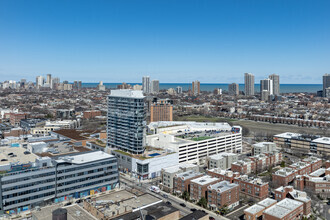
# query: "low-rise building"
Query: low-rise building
302,167
287,209
253,188
289,192
244,166
284,176
223,194
182,181
222,160
227,175
198,187
169,173
316,163
263,147
256,211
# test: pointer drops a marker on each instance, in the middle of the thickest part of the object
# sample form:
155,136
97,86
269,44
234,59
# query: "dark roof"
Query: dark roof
77,135
195,215
156,211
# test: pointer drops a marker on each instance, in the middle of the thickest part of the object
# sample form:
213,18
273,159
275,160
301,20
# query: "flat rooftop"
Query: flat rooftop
222,186
222,172
318,173
120,201
267,202
85,158
254,209
283,208
204,180
322,140
287,135
15,155
176,168
285,171
188,175
75,212
221,155
77,135
127,93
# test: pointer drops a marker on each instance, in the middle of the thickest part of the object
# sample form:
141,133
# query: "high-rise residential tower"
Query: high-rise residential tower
276,83
233,89
146,84
326,83
249,84
126,121
196,87
40,81
155,86
161,110
179,90
49,79
266,84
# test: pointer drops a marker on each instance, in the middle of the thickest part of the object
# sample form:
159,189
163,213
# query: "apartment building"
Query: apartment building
246,166
222,194
285,210
181,181
319,185
302,167
199,187
15,118
256,211
284,177
28,180
316,163
222,160
289,192
161,110
195,141
91,114
253,188
263,147
227,175
169,173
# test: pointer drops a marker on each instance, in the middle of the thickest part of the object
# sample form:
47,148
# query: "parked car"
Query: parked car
165,196
183,205
168,203
211,218
193,209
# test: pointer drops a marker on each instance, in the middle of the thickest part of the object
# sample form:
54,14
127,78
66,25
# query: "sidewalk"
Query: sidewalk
195,206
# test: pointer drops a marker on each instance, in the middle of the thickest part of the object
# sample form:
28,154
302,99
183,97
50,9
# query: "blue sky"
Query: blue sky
170,40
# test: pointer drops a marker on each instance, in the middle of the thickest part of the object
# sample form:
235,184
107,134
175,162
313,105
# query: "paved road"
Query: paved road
144,186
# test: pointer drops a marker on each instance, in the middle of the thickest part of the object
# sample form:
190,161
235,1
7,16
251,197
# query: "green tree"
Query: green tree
185,195
224,210
202,202
283,163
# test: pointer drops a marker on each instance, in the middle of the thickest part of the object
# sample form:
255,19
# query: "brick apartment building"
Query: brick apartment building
287,209
198,187
244,166
302,167
256,211
223,193
227,175
253,188
161,110
181,181
15,118
284,176
316,163
289,192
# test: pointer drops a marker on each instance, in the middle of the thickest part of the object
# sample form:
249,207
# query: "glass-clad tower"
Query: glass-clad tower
126,121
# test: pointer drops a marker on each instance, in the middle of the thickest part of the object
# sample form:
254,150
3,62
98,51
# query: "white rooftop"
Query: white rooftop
267,202
204,180
202,125
85,158
322,140
15,155
254,209
287,135
127,93
176,168
222,186
283,208
221,155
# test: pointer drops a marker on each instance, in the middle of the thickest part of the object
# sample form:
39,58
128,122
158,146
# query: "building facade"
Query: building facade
249,84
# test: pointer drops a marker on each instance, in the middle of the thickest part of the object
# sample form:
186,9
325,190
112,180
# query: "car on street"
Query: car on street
165,196
211,218
193,209
168,203
183,205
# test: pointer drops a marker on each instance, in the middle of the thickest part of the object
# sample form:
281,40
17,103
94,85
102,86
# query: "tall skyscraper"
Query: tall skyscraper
196,87
54,83
40,81
126,121
233,89
276,83
146,84
49,79
266,84
179,89
326,83
155,86
249,84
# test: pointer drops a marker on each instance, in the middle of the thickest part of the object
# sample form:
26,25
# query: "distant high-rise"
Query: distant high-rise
179,90
126,121
233,89
49,79
276,83
196,87
161,110
79,84
155,86
266,84
40,81
54,83
249,84
146,84
326,83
